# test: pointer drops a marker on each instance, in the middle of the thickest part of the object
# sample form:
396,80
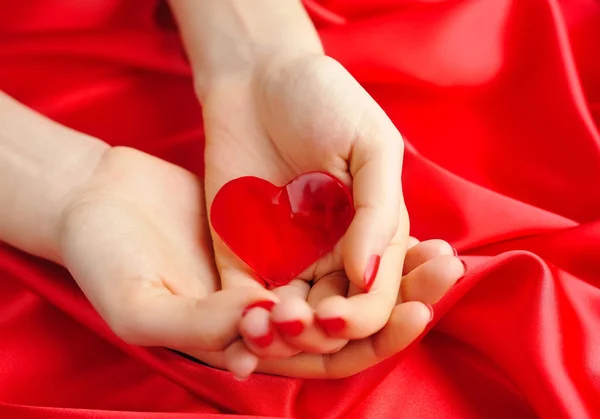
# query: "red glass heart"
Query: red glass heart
281,231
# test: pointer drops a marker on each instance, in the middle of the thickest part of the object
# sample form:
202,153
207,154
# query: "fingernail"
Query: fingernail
430,313
263,341
371,271
455,251
332,325
291,328
240,379
266,304
463,275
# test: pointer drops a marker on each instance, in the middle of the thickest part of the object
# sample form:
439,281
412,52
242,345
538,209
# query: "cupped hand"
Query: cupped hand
135,238
292,114
431,269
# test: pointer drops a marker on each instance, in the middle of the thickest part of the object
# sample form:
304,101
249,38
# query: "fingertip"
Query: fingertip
264,304
431,280
407,323
414,315
240,361
371,271
292,309
292,318
431,313
361,256
374,232
422,312
256,327
330,315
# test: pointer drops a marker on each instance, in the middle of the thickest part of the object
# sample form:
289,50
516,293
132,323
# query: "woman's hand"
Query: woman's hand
294,113
275,107
134,236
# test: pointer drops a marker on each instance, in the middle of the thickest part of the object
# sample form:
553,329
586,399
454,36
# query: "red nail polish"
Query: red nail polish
430,313
263,341
266,304
455,251
332,325
371,271
463,275
292,328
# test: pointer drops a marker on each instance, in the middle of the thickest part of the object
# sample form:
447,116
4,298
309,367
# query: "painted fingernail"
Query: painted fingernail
371,271
263,341
465,272
291,328
266,304
455,251
332,325
430,313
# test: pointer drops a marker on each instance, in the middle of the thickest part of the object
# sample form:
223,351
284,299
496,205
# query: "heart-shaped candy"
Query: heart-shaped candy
281,231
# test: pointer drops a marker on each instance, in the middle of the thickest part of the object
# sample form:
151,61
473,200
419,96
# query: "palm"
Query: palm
254,129
143,219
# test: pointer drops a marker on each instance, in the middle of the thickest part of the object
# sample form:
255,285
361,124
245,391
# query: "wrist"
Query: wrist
253,72
228,39
67,183
42,163
244,66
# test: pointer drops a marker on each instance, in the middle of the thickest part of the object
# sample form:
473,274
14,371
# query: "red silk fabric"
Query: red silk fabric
499,101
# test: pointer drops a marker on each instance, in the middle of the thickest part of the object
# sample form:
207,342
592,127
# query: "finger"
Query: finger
412,242
257,326
363,314
239,360
429,282
425,251
261,337
234,273
293,314
376,167
294,317
407,322
334,284
236,358
414,256
152,316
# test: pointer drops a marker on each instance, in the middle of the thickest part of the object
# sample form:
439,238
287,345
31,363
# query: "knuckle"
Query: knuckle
385,301
329,367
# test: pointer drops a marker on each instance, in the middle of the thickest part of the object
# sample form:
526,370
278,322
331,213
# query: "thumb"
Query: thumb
376,168
178,322
234,272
